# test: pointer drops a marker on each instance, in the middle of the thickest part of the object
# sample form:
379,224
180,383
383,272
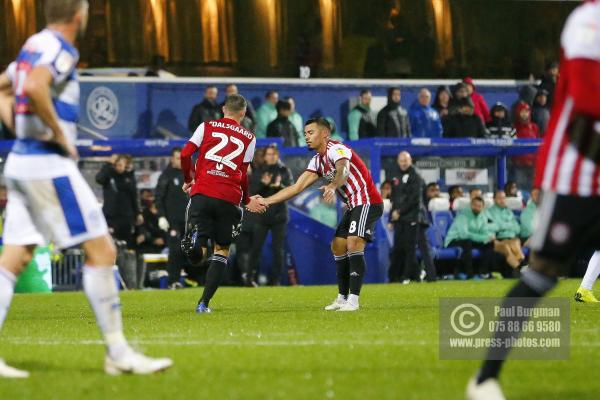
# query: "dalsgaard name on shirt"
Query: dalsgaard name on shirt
238,129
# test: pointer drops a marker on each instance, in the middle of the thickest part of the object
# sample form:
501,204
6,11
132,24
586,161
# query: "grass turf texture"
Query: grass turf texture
278,343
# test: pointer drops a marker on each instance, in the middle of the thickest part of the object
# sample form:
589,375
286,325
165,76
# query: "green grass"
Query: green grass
277,343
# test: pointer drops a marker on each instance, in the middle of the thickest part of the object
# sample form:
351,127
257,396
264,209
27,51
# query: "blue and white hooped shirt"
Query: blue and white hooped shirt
48,49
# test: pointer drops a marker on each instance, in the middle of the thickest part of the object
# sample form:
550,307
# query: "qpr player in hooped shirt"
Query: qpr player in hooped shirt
48,198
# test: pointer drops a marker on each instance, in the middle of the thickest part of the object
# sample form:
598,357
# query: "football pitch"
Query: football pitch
278,343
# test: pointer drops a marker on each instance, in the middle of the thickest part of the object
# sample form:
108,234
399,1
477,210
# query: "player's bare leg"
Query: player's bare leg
101,290
12,262
585,294
340,253
538,280
214,276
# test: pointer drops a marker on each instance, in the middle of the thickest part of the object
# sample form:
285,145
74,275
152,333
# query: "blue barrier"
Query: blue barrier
147,108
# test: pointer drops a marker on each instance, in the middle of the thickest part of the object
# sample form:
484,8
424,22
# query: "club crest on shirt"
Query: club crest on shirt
329,176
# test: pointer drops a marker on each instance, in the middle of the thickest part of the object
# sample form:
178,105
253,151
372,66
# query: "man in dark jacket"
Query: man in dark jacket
392,120
208,110
500,126
549,79
540,113
406,208
171,203
119,190
465,124
267,180
361,123
249,119
282,126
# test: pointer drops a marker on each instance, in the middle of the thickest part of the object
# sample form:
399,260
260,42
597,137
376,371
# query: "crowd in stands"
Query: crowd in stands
459,111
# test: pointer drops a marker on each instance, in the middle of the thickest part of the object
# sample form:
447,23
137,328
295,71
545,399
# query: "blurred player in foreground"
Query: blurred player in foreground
218,187
48,199
585,294
348,176
568,171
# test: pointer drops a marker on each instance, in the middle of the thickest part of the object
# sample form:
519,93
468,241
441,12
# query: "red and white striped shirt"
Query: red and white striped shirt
561,167
359,189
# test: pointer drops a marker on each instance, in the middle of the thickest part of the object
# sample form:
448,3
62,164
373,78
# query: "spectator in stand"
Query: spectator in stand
540,114
481,107
282,126
527,216
149,237
511,189
432,191
464,124
296,120
461,92
266,113
407,198
523,125
441,103
267,180
475,192
120,194
249,119
506,229
526,95
424,120
171,203
392,120
549,79
500,126
361,123
455,192
207,110
470,230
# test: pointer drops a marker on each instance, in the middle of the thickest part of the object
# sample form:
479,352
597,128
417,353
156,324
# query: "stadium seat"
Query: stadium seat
514,203
461,203
436,243
439,204
442,219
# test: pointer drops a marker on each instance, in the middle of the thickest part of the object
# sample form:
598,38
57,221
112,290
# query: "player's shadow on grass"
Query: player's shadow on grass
35,367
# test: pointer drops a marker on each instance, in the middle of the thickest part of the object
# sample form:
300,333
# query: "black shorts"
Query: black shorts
360,221
566,225
215,219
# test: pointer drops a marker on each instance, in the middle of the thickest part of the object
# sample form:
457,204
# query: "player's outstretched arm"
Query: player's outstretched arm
7,99
305,180
342,171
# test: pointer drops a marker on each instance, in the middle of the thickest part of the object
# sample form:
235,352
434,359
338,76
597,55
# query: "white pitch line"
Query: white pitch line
267,343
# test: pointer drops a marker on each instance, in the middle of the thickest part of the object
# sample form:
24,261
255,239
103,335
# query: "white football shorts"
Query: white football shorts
49,201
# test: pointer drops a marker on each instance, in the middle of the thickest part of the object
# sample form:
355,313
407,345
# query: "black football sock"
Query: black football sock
357,271
214,276
343,274
532,284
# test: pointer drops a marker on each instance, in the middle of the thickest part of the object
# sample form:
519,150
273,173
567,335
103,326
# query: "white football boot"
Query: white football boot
487,390
6,371
336,305
347,306
135,363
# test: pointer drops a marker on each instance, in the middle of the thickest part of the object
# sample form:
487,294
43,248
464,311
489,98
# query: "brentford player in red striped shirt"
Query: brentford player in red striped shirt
347,175
568,172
